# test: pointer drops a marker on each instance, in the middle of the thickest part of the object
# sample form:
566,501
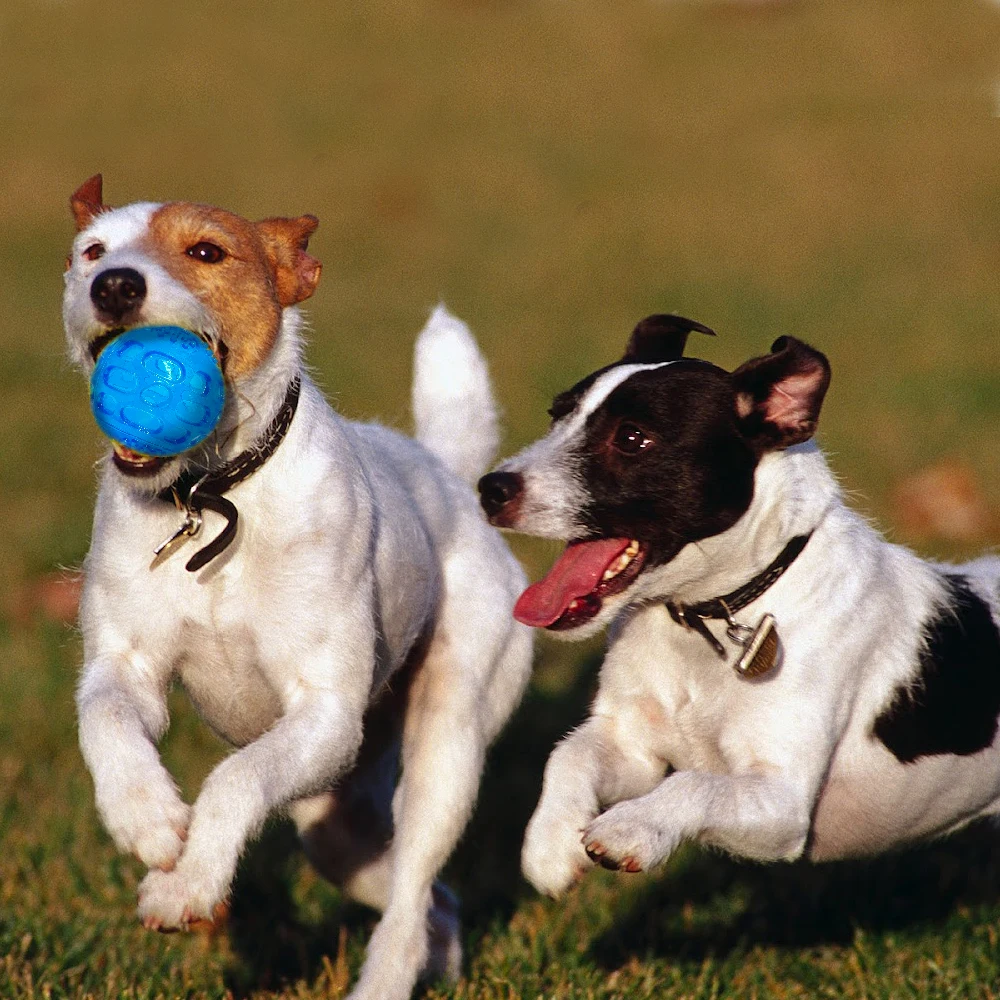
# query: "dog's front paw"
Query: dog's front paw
147,819
552,857
170,901
627,838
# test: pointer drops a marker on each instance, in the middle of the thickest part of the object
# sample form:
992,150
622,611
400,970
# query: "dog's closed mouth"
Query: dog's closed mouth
572,592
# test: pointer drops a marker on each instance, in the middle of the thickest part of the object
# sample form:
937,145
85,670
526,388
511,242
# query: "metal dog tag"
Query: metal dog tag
760,648
190,528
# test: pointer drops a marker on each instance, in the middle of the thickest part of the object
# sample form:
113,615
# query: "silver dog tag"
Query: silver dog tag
760,648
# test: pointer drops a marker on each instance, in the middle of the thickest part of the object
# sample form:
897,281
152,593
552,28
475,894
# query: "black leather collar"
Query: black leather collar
196,490
693,616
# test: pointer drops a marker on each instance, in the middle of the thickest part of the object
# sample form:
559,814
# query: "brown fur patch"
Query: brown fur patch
286,241
261,272
87,201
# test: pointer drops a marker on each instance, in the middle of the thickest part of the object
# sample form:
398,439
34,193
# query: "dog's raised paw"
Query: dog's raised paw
552,858
598,853
149,822
624,839
170,901
161,846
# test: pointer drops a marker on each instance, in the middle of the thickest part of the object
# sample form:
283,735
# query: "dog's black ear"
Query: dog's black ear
778,397
87,201
661,338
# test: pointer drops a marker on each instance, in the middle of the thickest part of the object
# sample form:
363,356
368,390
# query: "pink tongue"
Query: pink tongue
576,573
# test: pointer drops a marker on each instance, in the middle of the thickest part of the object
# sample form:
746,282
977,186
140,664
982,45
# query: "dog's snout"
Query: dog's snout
117,291
498,492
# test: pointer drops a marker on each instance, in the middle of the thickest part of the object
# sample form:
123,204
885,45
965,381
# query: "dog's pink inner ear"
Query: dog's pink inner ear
778,397
87,201
296,273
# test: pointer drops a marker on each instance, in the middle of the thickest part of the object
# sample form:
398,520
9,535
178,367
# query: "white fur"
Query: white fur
679,747
454,410
553,493
353,543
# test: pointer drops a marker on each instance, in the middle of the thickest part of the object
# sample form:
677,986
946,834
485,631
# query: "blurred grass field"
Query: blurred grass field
552,171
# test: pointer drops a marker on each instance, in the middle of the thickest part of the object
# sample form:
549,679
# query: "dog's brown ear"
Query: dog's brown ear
661,338
296,274
87,201
779,396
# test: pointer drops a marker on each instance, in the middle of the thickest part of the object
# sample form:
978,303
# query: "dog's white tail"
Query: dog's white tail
453,405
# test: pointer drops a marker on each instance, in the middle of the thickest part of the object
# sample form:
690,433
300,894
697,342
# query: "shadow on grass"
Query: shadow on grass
270,941
712,905
273,944
706,905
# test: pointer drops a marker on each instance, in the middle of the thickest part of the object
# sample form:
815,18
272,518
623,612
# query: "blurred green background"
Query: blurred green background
553,171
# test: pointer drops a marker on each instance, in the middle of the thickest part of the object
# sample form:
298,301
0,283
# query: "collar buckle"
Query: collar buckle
190,527
206,489
759,645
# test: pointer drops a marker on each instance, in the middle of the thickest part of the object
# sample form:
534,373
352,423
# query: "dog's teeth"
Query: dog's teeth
573,605
621,562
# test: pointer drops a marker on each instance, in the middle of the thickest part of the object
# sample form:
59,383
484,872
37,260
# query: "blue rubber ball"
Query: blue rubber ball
157,390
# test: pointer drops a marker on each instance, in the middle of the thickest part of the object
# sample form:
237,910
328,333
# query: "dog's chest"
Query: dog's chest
226,679
220,639
672,698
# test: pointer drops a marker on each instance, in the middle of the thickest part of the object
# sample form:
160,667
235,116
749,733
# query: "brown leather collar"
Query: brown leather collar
196,490
693,616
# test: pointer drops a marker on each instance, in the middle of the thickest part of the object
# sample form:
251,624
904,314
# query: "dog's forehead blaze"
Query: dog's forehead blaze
597,393
239,293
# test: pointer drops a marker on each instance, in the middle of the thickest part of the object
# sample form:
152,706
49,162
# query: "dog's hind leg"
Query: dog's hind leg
442,759
347,833
449,722
347,837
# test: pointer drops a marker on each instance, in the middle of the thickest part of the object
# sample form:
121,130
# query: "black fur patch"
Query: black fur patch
695,478
954,704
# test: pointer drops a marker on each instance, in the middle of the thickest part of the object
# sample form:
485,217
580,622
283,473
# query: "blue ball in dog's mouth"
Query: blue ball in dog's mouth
157,391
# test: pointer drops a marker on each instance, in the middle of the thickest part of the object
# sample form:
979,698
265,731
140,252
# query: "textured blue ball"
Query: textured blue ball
157,390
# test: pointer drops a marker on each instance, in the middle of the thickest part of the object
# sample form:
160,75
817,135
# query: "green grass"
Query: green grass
554,172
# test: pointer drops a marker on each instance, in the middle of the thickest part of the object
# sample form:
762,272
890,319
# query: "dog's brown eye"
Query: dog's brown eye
94,252
631,439
207,253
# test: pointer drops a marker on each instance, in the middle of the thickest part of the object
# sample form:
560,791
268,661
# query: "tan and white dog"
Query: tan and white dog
360,620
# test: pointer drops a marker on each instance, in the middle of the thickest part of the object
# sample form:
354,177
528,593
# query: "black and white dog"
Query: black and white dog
780,681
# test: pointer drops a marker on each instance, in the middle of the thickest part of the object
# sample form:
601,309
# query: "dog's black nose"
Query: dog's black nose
118,290
498,489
